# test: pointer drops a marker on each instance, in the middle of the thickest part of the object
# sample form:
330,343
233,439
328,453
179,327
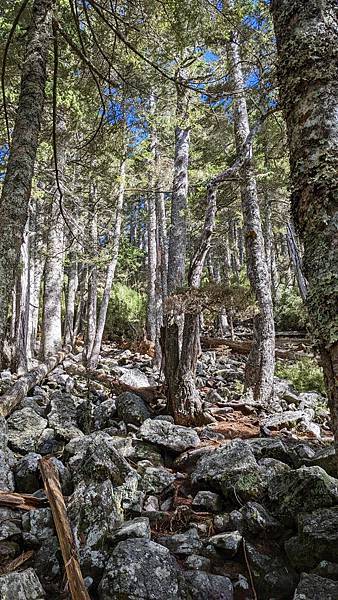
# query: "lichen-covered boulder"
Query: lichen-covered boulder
227,467
7,460
207,501
140,569
173,437
64,415
154,480
136,528
132,409
23,585
202,586
313,587
317,539
134,377
28,478
104,413
274,577
24,430
257,520
302,490
228,543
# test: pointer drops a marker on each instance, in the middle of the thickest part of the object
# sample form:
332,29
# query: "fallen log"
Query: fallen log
20,389
244,347
55,497
20,501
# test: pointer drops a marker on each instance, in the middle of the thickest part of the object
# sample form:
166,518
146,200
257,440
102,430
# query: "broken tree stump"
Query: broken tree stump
55,497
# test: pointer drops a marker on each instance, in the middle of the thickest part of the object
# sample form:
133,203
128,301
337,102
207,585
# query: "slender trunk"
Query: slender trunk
309,96
73,282
92,284
152,246
54,268
178,225
260,370
20,362
36,268
14,204
93,360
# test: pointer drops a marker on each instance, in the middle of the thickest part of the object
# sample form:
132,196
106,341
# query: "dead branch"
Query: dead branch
20,501
69,554
244,347
20,389
13,565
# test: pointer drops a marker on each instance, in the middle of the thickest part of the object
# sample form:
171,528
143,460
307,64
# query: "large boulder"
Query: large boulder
24,430
140,569
132,409
23,585
313,587
273,575
155,480
169,436
133,377
182,544
231,467
63,416
7,460
302,490
317,539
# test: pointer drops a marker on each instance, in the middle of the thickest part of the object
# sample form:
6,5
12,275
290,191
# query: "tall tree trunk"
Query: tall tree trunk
20,348
73,282
116,234
14,204
54,267
36,268
309,95
260,366
296,260
152,246
92,283
178,225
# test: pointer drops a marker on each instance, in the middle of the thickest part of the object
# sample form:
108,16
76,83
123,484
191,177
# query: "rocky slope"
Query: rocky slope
244,508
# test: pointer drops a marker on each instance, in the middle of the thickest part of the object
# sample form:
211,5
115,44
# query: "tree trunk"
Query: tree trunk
152,246
20,349
92,284
309,96
178,225
260,378
36,267
94,357
54,268
14,205
73,282
296,260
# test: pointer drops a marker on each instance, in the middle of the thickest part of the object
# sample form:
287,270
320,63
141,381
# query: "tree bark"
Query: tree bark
116,234
307,44
14,205
260,368
20,347
54,267
36,267
92,282
296,260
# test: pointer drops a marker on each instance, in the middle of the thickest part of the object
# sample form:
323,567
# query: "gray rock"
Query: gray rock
104,414
24,430
207,501
270,448
222,522
257,520
182,544
233,466
38,526
137,528
288,419
151,504
48,443
154,480
63,416
242,587
327,569
303,489
273,576
27,473
317,538
141,569
133,377
198,563
313,587
144,451
132,409
7,460
23,585
324,458
228,543
172,437
202,586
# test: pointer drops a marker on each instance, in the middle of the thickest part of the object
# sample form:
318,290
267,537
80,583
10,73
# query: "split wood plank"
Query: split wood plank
52,485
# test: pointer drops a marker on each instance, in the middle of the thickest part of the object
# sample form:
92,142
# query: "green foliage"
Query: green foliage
290,313
305,374
126,312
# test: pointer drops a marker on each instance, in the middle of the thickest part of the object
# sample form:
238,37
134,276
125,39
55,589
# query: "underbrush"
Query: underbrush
126,312
290,312
304,374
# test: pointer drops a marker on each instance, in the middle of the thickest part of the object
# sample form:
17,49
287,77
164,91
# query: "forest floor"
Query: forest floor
243,508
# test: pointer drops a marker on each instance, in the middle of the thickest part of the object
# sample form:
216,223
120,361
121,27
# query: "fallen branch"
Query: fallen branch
20,389
21,501
52,485
16,563
244,347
